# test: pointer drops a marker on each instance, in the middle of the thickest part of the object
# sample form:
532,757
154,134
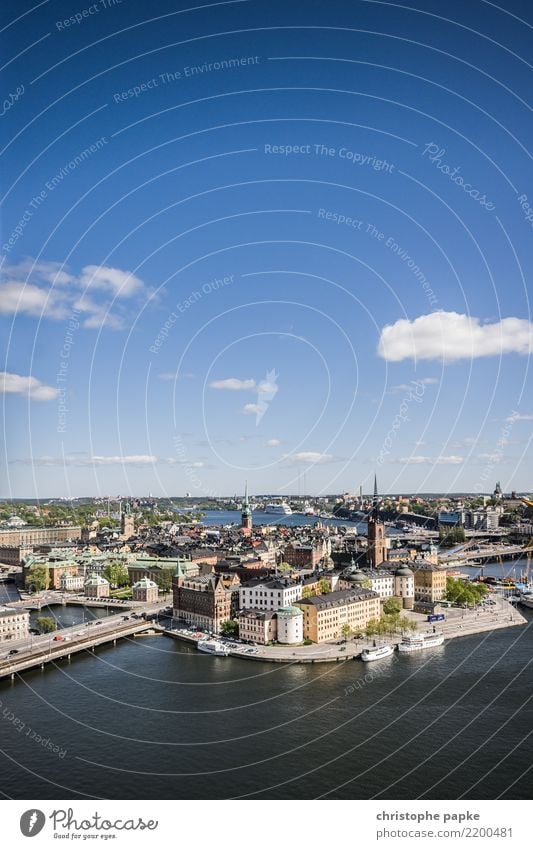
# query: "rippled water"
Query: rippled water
153,718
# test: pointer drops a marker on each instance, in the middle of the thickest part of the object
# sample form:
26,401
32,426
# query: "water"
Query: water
70,614
154,718
229,517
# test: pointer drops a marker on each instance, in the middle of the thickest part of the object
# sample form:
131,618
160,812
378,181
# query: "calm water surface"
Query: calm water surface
153,718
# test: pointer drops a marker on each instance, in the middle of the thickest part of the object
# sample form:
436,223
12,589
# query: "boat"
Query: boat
282,509
526,598
418,642
376,654
213,647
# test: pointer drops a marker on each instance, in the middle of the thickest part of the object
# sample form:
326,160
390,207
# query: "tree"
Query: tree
163,580
284,567
392,606
229,628
307,592
45,624
116,574
464,592
324,586
372,628
346,631
37,579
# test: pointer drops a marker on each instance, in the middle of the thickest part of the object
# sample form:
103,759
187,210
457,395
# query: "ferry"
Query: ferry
418,642
376,654
282,509
213,647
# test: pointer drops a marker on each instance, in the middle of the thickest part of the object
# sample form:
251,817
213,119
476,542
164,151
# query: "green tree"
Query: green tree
284,567
308,592
163,580
346,631
372,628
45,624
229,628
324,586
392,606
116,574
37,579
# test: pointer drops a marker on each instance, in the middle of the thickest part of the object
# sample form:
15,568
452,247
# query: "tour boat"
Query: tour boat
213,647
418,642
377,653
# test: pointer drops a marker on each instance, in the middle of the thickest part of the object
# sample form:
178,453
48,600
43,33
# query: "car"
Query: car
125,618
78,634
342,648
58,638
98,622
13,651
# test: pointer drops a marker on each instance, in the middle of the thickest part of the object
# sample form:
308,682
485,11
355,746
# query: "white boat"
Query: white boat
282,509
213,647
418,642
376,654
526,598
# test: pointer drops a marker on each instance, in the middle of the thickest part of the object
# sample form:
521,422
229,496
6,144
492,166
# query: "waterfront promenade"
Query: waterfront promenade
459,623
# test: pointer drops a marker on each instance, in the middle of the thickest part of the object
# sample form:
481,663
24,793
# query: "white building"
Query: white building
290,625
71,583
14,624
269,595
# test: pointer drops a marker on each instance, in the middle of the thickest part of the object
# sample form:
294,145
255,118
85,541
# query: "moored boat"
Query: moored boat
419,642
213,647
376,653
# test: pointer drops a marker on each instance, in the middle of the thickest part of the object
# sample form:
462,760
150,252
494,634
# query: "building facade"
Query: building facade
96,587
290,625
205,601
429,582
257,626
14,624
325,616
145,590
269,595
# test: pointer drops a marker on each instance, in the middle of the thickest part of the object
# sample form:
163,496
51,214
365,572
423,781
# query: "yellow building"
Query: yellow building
325,615
430,582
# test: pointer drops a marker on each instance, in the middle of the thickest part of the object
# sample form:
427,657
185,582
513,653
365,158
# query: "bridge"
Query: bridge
474,552
47,651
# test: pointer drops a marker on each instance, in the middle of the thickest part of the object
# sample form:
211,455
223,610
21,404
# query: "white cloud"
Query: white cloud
234,384
308,457
451,460
273,443
254,409
122,284
453,336
48,289
25,385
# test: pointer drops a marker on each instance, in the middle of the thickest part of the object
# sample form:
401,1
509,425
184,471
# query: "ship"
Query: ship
213,647
282,509
419,642
377,653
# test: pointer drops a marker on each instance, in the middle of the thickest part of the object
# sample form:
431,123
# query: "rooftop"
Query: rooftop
339,597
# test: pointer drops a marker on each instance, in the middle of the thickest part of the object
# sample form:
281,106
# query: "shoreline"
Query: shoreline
351,650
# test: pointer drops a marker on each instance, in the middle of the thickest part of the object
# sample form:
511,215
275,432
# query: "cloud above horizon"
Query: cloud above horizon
49,290
452,336
18,384
420,460
315,457
233,384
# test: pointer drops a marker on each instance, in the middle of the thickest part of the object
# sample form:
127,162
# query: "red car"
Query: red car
58,637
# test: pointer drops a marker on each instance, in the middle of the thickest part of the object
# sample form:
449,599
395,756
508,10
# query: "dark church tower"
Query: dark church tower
246,515
377,548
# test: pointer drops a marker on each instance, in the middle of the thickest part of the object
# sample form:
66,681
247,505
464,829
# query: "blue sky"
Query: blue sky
281,242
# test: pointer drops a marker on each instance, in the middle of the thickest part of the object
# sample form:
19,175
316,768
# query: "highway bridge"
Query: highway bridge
474,553
36,652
